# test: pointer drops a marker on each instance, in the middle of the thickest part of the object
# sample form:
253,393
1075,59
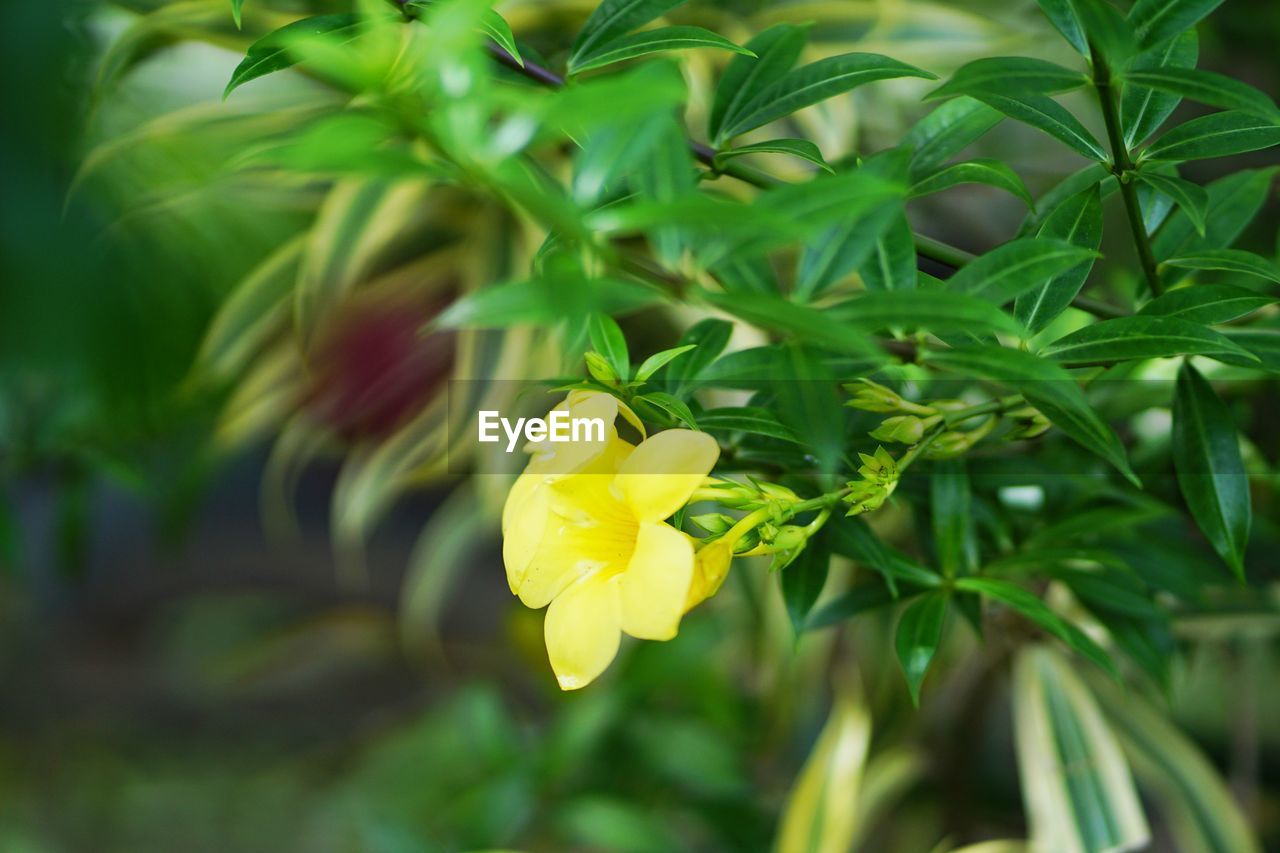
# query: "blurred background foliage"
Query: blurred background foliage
345,669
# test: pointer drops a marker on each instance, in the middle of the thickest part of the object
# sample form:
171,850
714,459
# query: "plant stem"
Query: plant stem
1122,166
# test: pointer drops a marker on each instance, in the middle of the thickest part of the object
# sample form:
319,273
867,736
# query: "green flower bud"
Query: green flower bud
949,445
873,397
600,369
789,537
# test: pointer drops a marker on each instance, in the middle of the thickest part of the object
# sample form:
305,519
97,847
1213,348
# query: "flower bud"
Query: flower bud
600,369
873,397
949,445
789,537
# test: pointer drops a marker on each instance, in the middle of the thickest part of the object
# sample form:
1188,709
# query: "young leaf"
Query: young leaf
1229,260
1078,221
932,311
1046,386
993,173
1216,90
615,18
1038,612
816,82
236,7
1207,304
802,148
1076,784
1156,21
608,340
1140,337
658,360
892,262
950,502
1191,198
1143,110
1063,17
802,581
496,27
1206,455
918,634
651,41
708,337
1216,135
1009,75
1016,267
775,52
674,407
1046,114
271,53
946,130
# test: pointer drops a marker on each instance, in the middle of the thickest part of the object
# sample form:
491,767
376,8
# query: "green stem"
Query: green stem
1122,167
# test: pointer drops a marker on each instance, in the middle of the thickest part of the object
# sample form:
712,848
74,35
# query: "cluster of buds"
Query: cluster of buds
765,530
879,475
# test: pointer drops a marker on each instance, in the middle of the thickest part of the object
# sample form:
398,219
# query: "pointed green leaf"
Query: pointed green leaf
749,419
675,408
497,28
932,311
1046,114
613,19
801,321
993,173
1143,110
545,301
852,537
1233,203
1206,455
1140,337
1063,17
273,53
1191,198
608,340
839,250
892,262
1078,221
1216,90
802,581
1009,75
952,514
814,83
651,41
1038,612
236,7
776,51
802,148
946,130
918,634
1016,267
1228,260
658,360
1217,135
1207,304
1156,21
708,337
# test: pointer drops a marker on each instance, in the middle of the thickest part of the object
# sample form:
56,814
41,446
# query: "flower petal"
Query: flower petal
524,521
710,567
653,589
581,630
664,470
569,457
580,537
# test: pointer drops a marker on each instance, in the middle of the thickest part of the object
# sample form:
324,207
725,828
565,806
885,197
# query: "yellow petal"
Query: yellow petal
578,539
710,567
653,589
524,520
662,472
568,457
582,631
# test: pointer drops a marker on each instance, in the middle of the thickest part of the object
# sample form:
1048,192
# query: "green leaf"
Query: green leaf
272,52
918,635
1203,813
802,148
1078,221
1076,786
1217,135
674,407
1016,267
1046,114
608,340
993,173
931,310
236,7
666,175
807,403
952,513
651,41
1063,17
802,581
1038,612
1208,304
1233,203
1206,455
840,249
814,83
1263,346
1140,337
891,264
1046,386
1228,260
496,27
945,131
1156,21
749,419
776,51
1216,90
545,301
615,18
1192,198
803,322
708,337
852,537
1143,110
1009,75
658,360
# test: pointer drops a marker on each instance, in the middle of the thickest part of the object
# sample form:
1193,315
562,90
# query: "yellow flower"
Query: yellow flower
584,532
